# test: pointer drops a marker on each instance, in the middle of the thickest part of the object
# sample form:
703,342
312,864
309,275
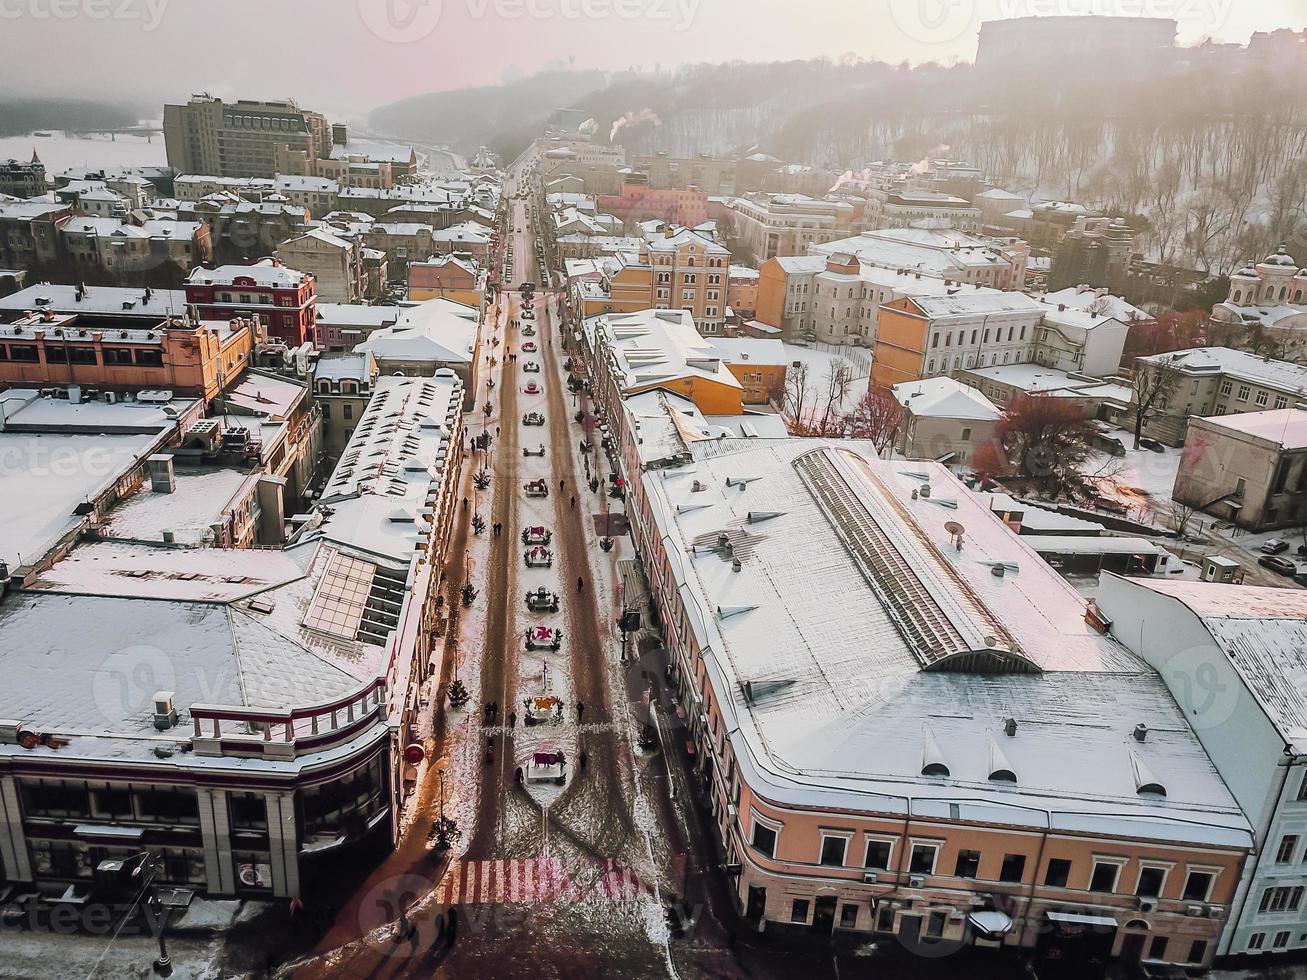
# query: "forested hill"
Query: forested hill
19,116
1207,148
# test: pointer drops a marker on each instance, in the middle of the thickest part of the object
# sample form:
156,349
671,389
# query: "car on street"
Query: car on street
529,347
1278,565
1274,546
531,388
1152,445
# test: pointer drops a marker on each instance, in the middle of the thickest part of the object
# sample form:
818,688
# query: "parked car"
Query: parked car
1152,445
1274,546
1280,566
529,347
531,388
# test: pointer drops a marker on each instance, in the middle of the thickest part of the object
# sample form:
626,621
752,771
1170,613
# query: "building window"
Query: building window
1198,886
347,410
1281,401
849,917
1281,940
1013,869
967,865
923,857
799,911
1283,899
1151,881
935,925
1198,951
1244,392
1288,845
1263,397
966,435
1157,948
832,850
1256,939
1227,387
878,854
1059,870
1103,878
764,839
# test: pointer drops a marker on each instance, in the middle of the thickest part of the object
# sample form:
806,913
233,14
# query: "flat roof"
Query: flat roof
1286,427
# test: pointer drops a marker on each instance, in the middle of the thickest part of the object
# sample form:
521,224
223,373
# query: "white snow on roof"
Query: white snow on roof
1263,631
435,331
96,299
945,398
971,303
1085,297
264,273
654,347
1286,427
842,708
374,150
1240,365
199,499
265,394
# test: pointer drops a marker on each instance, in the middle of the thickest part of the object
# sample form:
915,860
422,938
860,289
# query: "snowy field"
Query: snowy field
64,150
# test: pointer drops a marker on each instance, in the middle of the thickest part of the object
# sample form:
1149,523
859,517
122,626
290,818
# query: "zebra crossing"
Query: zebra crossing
539,880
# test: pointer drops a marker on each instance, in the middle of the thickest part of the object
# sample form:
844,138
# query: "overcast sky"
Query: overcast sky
347,56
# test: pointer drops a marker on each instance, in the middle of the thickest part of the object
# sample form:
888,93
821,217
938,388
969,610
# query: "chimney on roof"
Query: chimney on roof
1061,307
162,479
1140,732
1010,727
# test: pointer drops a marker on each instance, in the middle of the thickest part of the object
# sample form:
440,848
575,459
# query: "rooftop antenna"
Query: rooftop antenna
955,532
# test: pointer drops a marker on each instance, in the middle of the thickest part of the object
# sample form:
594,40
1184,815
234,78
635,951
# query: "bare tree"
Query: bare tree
877,417
1181,516
1154,383
797,392
838,382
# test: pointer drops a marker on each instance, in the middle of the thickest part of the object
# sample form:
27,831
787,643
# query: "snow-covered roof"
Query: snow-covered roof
686,237
1285,427
1263,633
375,151
266,273
973,303
468,231
300,182
1103,302
345,366
750,350
433,332
55,455
856,639
801,263
1237,364
26,210
655,347
1040,520
945,398
322,235
940,251
119,300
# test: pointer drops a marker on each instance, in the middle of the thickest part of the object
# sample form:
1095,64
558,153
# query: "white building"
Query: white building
1235,658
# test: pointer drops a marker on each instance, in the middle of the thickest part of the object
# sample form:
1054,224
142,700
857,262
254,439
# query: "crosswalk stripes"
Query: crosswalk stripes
539,880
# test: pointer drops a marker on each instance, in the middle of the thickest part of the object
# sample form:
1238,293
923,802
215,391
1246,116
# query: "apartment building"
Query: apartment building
133,245
245,138
29,232
958,256
767,226
707,173
336,263
1232,657
317,195
455,277
929,336
905,208
1216,381
23,179
242,231
122,353
342,384
283,685
285,300
690,271
852,795
196,187
944,420
1249,469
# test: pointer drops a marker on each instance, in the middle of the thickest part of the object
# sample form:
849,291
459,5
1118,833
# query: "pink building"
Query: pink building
637,202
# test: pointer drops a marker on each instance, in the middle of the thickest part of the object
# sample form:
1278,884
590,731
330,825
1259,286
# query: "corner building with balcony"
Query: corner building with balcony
243,714
909,725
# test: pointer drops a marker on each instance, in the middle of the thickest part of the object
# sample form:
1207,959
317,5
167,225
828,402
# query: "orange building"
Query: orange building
907,725
453,277
124,353
900,352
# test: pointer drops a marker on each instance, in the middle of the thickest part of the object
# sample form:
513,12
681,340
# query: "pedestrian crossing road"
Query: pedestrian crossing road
539,880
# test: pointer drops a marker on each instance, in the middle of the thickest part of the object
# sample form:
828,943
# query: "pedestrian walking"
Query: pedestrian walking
561,484
496,432
465,503
512,719
518,775
573,501
580,584
580,710
583,759
452,926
